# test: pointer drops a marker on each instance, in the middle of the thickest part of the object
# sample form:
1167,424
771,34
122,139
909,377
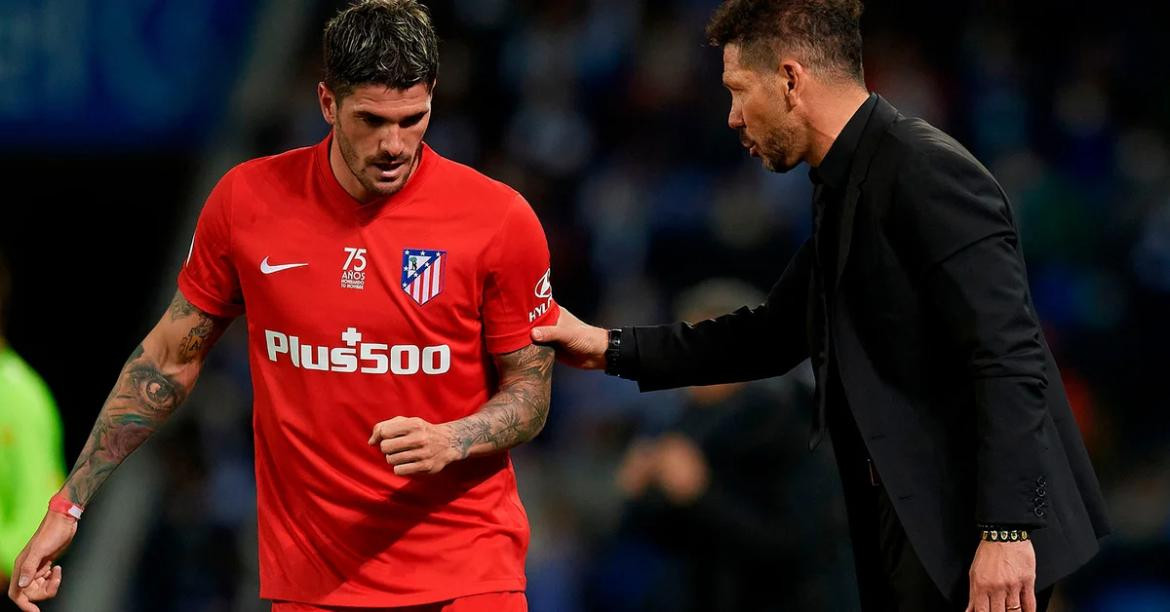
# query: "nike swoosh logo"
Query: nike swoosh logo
269,269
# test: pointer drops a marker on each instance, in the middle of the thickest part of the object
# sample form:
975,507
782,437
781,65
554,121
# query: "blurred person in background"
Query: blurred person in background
715,497
387,289
31,460
966,479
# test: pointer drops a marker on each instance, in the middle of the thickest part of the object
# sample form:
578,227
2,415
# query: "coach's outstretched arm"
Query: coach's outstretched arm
748,344
157,377
513,416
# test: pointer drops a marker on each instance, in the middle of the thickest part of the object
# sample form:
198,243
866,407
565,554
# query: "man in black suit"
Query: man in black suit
965,476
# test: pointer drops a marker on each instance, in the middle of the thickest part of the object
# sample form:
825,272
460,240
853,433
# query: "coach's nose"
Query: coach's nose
735,118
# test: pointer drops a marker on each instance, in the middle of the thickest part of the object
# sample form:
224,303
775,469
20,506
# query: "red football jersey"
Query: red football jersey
356,314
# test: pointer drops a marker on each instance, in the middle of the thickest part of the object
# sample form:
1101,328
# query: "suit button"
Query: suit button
1039,512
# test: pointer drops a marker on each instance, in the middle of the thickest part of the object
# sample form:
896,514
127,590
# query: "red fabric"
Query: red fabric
486,602
329,360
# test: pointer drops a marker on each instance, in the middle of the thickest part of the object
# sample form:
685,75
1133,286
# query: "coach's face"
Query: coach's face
763,110
378,131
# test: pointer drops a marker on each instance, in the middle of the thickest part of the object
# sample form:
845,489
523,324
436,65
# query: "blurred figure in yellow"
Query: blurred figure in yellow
31,459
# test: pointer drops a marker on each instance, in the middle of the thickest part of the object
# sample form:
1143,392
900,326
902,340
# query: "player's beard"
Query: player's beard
360,168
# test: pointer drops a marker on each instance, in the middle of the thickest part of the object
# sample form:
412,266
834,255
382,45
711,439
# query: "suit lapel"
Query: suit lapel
884,114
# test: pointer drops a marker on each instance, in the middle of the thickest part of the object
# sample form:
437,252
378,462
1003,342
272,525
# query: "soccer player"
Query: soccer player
389,295
31,465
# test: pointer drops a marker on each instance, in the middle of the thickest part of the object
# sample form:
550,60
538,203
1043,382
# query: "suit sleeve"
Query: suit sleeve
518,288
208,278
956,223
747,344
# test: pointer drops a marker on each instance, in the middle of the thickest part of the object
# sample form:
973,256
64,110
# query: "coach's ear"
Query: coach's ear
328,102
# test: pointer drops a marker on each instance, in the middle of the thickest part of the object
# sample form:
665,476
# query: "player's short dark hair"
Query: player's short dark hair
380,42
825,34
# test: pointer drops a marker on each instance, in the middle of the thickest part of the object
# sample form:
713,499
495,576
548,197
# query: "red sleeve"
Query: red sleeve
208,278
518,292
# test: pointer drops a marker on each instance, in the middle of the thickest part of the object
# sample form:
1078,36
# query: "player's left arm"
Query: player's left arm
513,416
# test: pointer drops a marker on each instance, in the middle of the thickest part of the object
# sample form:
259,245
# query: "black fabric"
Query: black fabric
925,324
745,536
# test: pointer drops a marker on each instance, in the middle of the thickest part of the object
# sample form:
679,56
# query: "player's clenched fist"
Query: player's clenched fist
34,576
414,446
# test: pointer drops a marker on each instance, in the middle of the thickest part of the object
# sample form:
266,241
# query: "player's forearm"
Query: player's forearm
157,377
140,402
516,413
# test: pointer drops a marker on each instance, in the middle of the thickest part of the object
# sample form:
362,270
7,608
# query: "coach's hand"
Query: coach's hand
578,344
414,446
1003,578
34,577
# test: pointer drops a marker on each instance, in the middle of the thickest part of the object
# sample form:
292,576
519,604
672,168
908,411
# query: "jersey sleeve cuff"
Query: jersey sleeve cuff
514,341
205,302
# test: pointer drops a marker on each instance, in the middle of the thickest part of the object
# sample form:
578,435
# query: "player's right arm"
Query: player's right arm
157,377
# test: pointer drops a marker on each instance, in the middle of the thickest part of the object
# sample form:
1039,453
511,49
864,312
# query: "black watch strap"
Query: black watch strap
613,353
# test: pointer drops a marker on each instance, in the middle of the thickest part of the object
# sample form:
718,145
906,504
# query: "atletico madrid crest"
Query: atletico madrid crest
423,271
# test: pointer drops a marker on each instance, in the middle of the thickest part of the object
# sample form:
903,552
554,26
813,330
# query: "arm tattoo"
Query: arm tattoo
180,308
146,394
517,412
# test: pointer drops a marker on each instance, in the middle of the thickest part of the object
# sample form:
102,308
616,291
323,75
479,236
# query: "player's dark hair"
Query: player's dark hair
380,42
824,34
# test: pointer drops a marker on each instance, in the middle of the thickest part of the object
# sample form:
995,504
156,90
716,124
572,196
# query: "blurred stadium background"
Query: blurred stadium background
117,116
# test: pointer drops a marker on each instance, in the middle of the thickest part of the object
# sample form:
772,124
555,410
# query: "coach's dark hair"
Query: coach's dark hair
824,34
380,42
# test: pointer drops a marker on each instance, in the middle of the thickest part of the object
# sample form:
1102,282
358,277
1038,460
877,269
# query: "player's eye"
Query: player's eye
372,121
412,120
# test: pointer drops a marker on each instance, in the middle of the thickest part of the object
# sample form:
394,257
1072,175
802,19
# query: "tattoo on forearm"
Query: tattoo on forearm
197,338
517,412
180,308
141,400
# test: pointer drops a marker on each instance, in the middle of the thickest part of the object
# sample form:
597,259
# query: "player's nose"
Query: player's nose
392,143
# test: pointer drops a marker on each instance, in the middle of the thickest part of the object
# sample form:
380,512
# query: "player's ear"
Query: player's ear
328,102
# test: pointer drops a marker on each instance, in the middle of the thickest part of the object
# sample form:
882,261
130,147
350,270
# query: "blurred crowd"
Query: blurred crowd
608,115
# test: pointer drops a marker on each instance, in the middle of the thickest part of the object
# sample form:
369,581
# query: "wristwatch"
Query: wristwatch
613,353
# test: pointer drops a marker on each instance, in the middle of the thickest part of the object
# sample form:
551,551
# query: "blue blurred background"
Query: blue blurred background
117,116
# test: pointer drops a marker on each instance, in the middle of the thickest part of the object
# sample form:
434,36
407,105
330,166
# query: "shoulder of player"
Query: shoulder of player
291,163
486,192
266,174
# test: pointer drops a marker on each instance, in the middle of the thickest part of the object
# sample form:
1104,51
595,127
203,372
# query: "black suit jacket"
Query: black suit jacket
938,350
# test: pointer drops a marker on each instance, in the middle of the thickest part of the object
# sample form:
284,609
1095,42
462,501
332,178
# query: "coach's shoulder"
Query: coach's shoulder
925,150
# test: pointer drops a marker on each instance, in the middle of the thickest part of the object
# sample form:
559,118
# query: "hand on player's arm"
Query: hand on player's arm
514,415
578,344
157,377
